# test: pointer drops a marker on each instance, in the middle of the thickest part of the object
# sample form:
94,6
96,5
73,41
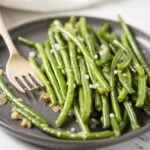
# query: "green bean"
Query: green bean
105,53
115,125
80,122
106,75
63,52
139,69
104,85
125,78
65,134
99,63
122,94
102,31
134,46
105,111
115,105
98,102
125,63
135,63
85,34
81,100
124,41
103,34
73,59
49,72
72,20
94,39
146,106
141,77
42,69
124,121
57,23
141,91
42,123
86,92
110,37
26,42
70,78
106,71
69,99
56,70
55,50
132,115
92,77
18,102
47,85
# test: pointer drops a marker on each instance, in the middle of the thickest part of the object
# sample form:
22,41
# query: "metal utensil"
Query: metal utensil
18,70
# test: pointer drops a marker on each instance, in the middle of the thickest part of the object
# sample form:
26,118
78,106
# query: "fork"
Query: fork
18,70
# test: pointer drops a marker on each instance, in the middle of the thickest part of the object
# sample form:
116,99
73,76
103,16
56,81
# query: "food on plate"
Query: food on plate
97,77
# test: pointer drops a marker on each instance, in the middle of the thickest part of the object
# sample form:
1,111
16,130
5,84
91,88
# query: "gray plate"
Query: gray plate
37,31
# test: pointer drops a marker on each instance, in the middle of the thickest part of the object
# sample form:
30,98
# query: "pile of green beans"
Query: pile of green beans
96,75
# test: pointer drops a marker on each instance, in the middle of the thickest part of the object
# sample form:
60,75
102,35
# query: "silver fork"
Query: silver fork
18,69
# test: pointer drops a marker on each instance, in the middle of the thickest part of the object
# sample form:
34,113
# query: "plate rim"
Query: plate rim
90,143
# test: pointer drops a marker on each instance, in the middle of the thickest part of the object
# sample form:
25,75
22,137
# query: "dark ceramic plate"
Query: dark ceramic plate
37,31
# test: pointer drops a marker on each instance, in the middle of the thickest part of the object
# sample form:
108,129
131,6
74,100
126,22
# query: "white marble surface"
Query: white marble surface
135,12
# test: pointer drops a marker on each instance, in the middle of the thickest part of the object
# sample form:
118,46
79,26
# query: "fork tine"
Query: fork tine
35,81
26,86
30,83
23,86
37,78
16,84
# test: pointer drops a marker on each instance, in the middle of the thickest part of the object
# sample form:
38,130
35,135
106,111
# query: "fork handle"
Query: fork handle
4,33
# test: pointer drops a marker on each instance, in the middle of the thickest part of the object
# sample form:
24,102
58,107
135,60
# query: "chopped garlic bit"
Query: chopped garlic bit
57,47
94,86
56,108
95,56
72,129
102,52
130,104
15,115
32,54
112,115
133,69
3,99
26,123
44,96
87,76
106,69
70,113
102,46
13,108
122,58
115,71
